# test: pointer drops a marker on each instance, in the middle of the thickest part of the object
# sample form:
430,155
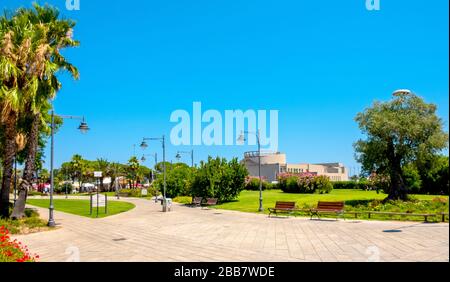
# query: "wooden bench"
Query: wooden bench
328,207
282,207
196,201
210,202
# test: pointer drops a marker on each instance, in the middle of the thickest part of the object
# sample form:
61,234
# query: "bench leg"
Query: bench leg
315,214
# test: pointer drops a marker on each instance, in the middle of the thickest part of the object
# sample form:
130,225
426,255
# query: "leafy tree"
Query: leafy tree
31,41
433,171
159,167
220,179
412,178
132,171
398,131
179,178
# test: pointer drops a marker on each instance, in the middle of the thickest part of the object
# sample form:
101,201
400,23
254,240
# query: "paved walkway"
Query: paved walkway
193,234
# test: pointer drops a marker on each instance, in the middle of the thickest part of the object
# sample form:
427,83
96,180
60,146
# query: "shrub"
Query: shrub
252,184
61,189
380,182
183,200
218,178
322,184
179,178
13,251
305,184
411,178
136,193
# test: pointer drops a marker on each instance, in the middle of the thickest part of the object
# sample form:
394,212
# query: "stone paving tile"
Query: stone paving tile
194,234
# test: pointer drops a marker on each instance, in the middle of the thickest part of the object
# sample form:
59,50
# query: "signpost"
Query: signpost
100,201
144,192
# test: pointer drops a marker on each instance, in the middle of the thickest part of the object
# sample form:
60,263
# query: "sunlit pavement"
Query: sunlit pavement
194,234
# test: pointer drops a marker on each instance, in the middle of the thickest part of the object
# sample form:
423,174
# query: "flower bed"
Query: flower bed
304,183
13,251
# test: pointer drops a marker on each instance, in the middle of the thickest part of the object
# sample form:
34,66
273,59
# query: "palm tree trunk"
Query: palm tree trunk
28,174
8,157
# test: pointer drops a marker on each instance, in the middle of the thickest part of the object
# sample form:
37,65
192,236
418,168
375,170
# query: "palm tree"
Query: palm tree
50,36
132,169
77,168
114,171
103,166
15,34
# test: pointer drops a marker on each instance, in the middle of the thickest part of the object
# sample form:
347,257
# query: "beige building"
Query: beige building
274,164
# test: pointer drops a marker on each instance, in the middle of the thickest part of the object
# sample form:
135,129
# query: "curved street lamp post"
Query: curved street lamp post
84,128
191,153
144,145
242,139
143,159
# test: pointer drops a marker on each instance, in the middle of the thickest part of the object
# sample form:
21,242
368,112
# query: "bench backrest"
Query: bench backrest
285,205
330,205
197,200
211,201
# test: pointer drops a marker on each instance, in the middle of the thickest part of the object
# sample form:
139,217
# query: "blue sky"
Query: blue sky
318,62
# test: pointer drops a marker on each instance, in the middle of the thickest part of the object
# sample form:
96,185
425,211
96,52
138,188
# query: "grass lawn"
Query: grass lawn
355,200
81,207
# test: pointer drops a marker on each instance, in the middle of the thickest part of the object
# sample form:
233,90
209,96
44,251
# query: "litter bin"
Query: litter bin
168,205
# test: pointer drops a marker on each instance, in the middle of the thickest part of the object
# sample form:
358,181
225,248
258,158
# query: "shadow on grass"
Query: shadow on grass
355,203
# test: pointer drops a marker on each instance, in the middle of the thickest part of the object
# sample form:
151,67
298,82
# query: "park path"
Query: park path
203,235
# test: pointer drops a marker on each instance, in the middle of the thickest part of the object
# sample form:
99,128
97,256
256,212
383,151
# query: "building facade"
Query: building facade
274,164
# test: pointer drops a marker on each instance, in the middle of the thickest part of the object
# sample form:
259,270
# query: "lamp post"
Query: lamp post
155,155
144,145
143,159
242,139
178,156
84,128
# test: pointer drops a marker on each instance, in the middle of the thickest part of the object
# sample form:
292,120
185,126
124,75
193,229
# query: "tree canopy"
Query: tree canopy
398,132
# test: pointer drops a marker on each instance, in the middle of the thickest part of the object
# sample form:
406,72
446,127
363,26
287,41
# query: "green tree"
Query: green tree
179,178
31,41
104,166
77,169
115,171
132,171
412,178
220,179
15,35
398,131
433,171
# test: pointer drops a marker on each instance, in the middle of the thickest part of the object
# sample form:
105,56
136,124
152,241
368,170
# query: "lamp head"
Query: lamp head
144,145
84,128
402,91
241,139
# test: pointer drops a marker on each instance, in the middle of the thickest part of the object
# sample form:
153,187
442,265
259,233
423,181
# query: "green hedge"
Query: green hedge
136,193
305,184
253,185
